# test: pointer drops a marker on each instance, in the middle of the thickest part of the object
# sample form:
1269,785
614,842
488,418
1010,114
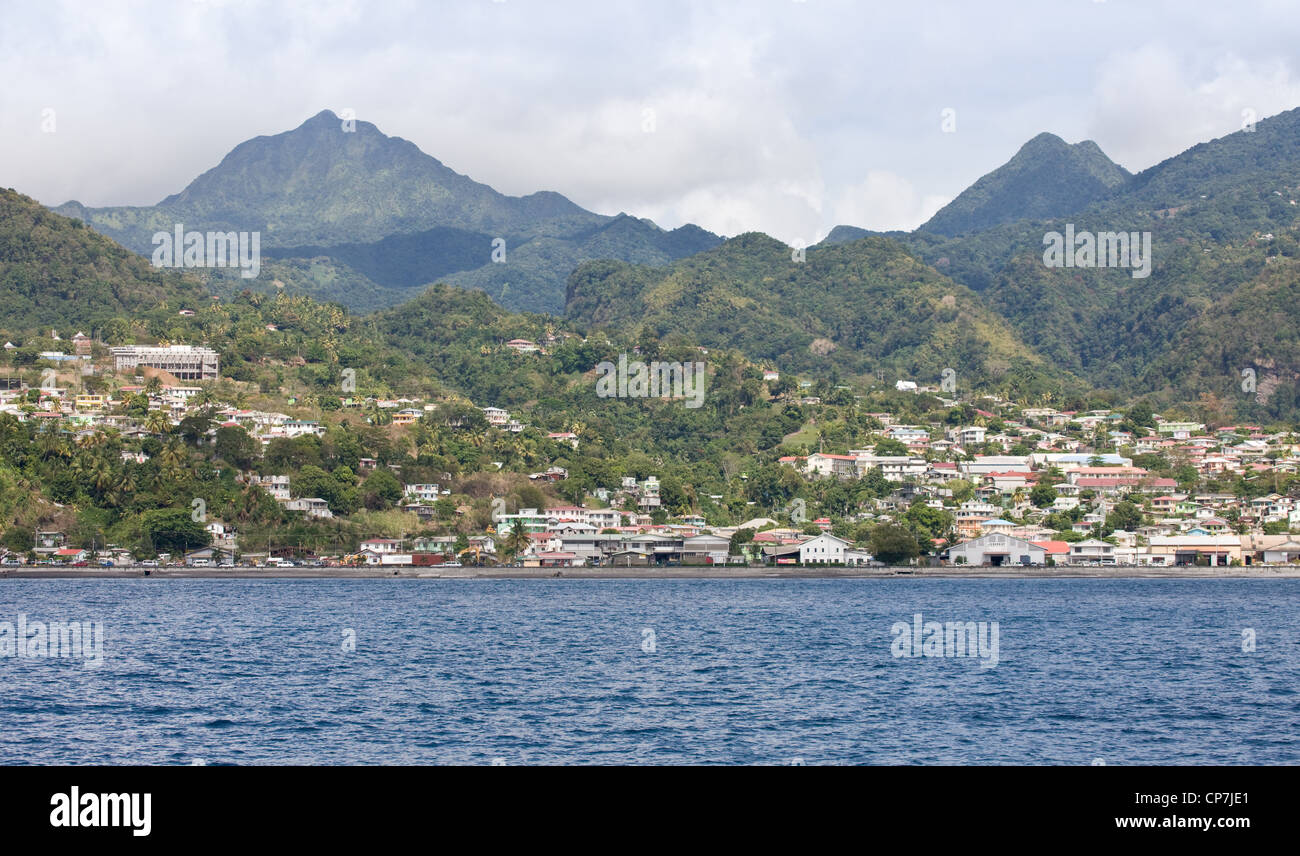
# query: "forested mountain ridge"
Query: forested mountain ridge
393,215
864,309
1219,214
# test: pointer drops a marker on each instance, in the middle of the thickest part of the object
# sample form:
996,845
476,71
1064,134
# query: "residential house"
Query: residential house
1092,552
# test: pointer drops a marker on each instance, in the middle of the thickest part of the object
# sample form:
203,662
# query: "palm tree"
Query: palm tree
52,445
101,477
173,458
158,422
91,440
517,541
121,489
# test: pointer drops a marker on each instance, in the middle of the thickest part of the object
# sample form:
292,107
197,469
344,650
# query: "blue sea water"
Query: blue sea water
739,672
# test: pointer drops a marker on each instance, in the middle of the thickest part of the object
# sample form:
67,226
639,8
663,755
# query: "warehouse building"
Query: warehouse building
996,549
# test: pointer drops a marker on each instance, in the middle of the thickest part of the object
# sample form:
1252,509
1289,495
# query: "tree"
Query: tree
893,544
517,541
1126,516
739,539
930,522
235,447
194,428
531,496
889,446
1042,495
18,539
1140,414
158,422
381,490
962,490
173,530
312,481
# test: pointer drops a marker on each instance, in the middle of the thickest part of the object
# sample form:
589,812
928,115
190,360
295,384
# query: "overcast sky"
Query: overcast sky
785,116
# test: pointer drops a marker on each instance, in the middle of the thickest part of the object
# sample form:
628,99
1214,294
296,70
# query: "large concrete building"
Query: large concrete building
183,361
997,549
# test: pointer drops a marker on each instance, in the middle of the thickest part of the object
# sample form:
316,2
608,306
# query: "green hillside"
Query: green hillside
55,273
1210,210
864,309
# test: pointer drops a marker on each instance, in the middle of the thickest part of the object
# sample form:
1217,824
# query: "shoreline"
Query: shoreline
741,572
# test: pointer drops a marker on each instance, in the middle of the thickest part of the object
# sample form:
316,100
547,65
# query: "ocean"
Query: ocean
375,671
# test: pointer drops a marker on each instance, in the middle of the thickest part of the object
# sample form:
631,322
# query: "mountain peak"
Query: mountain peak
1044,140
1045,179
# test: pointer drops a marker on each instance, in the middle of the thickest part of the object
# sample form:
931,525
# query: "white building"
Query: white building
1092,552
825,549
182,361
381,545
892,467
972,435
997,549
649,493
313,506
985,464
422,492
277,486
1283,553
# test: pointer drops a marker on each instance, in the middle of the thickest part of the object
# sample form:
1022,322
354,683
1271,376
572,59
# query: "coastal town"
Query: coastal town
995,485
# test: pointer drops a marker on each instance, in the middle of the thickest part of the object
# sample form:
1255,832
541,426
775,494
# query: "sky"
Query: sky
782,116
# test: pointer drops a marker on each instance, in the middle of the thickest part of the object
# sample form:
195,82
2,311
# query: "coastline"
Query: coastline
744,572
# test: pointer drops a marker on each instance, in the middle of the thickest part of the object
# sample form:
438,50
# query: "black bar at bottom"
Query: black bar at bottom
210,805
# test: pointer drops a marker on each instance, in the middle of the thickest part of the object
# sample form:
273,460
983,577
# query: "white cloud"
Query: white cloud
1152,102
885,201
783,117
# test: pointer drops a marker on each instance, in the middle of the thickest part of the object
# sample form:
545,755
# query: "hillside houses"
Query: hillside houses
1077,487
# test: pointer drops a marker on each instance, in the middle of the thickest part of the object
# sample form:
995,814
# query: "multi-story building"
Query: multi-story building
649,493
422,492
971,435
892,467
277,486
90,402
313,506
183,361
973,513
